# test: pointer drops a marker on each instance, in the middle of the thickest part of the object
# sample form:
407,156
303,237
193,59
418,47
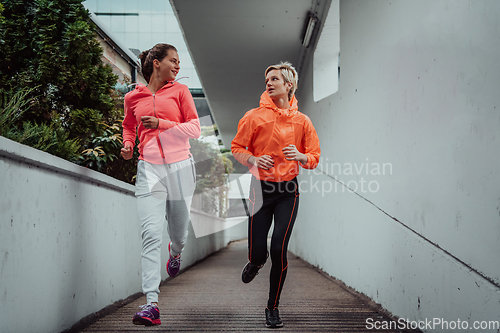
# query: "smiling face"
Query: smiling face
168,67
276,86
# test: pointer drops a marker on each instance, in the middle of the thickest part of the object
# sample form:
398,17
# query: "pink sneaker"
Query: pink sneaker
174,263
148,316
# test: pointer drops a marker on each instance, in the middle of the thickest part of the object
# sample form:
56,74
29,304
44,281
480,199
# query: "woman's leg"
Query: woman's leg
258,224
285,213
151,210
181,183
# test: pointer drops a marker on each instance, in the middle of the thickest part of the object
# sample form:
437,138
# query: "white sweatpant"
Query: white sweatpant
162,191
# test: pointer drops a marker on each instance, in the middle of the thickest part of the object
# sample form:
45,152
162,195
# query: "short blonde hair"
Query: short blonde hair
289,75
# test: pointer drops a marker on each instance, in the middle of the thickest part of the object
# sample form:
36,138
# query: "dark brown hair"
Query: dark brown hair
159,51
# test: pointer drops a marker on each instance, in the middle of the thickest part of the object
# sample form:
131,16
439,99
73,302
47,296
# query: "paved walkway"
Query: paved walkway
211,297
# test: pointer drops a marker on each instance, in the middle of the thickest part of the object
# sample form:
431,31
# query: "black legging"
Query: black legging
281,201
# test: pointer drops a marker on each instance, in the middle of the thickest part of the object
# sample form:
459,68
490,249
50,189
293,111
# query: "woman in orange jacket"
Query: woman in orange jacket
273,140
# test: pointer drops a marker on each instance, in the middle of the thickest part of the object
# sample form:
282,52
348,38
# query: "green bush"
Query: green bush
49,56
12,106
49,137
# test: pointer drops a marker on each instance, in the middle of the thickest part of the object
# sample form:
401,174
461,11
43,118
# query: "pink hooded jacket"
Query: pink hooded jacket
173,105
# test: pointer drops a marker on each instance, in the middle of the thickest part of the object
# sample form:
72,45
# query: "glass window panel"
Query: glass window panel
131,6
131,24
172,24
326,56
157,24
106,20
158,38
159,5
145,6
91,5
117,7
145,41
131,40
144,21
117,23
103,6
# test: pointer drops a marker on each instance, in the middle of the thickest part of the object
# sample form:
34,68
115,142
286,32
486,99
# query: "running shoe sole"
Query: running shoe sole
146,321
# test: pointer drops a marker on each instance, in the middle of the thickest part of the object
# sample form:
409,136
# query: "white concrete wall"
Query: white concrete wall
70,241
419,90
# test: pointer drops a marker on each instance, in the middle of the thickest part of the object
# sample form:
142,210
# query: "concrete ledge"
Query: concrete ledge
28,155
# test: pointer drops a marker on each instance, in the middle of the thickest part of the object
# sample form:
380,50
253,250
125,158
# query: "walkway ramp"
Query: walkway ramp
211,297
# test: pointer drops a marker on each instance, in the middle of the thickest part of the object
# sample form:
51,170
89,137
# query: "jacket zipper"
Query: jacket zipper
158,135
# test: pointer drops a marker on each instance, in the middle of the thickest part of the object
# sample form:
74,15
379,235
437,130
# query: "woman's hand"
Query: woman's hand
292,154
265,162
127,152
150,122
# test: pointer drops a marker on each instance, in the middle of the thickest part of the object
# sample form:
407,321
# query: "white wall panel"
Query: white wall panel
419,91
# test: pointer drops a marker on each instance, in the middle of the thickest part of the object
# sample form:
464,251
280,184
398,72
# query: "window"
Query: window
326,69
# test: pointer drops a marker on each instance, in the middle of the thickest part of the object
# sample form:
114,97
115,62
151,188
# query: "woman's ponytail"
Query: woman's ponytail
159,51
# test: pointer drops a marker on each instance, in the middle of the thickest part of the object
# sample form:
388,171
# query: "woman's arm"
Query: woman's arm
310,142
190,128
129,125
242,140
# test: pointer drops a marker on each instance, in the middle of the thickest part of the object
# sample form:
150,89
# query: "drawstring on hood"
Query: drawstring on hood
267,102
184,77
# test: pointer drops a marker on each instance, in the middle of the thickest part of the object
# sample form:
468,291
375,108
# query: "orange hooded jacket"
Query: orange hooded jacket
266,130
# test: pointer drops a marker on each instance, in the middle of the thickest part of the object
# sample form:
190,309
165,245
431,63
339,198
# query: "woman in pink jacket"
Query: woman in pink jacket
164,117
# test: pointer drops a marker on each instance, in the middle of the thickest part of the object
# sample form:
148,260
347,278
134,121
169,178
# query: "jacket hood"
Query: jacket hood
267,102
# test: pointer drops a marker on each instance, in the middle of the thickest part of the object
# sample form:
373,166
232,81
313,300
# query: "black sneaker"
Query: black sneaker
273,318
249,272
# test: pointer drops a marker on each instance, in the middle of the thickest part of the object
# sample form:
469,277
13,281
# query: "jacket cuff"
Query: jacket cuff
306,165
243,158
132,143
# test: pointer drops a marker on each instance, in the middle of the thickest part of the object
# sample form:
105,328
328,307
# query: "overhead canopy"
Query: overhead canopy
232,42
